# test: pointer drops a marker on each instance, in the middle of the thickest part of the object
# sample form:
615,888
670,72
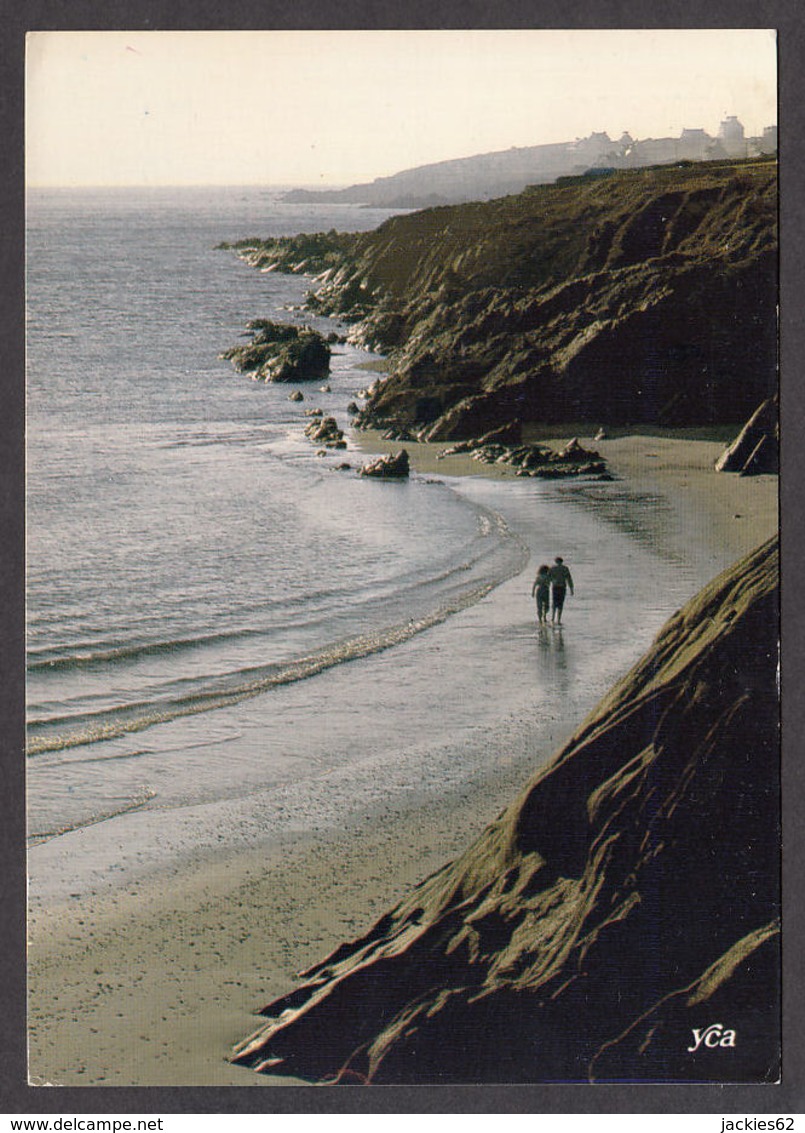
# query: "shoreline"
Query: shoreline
718,515
153,985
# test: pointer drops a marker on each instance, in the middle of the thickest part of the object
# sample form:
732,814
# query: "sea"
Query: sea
230,635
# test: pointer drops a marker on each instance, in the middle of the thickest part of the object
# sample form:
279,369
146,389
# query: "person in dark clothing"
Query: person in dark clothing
541,590
561,579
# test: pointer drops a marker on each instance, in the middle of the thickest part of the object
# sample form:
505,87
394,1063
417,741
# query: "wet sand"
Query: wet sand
153,983
717,517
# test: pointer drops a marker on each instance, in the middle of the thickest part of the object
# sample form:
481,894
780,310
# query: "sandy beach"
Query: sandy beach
152,984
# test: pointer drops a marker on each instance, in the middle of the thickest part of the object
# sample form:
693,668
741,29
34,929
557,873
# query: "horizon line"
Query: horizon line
328,186
285,185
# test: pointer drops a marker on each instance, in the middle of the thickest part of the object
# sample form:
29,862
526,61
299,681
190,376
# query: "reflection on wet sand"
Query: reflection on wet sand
552,657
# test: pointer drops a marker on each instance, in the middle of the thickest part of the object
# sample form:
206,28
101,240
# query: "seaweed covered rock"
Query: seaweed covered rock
279,352
627,901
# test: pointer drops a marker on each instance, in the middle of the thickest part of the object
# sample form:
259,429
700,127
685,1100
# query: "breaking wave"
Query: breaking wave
465,584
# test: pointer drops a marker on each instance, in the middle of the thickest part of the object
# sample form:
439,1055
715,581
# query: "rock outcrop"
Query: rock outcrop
309,252
756,449
325,431
533,460
637,297
280,352
627,900
394,466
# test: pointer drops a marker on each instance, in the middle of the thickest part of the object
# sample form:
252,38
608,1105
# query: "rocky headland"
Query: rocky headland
627,900
537,460
642,297
501,172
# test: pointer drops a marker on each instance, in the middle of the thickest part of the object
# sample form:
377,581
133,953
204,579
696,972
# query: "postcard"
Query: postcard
402,538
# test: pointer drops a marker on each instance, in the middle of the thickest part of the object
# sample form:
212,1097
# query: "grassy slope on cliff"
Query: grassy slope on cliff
628,896
646,296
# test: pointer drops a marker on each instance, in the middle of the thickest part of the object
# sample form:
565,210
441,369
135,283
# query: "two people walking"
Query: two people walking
549,589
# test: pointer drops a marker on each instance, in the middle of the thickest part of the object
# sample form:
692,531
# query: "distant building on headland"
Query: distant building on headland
768,143
731,136
497,174
693,144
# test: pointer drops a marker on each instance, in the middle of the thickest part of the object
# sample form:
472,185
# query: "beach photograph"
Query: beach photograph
402,540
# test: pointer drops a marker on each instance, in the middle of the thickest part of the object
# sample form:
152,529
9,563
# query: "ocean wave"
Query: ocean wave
67,732
94,654
97,655
36,837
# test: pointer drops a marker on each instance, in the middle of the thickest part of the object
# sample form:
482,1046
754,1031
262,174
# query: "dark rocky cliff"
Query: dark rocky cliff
639,297
628,897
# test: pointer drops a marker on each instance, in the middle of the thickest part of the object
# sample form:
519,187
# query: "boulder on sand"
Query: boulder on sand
390,467
756,448
325,431
575,453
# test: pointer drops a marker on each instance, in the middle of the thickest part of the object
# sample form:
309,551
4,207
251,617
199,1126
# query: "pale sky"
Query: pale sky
338,107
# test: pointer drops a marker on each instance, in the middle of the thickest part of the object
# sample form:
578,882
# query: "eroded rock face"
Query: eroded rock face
627,901
641,297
